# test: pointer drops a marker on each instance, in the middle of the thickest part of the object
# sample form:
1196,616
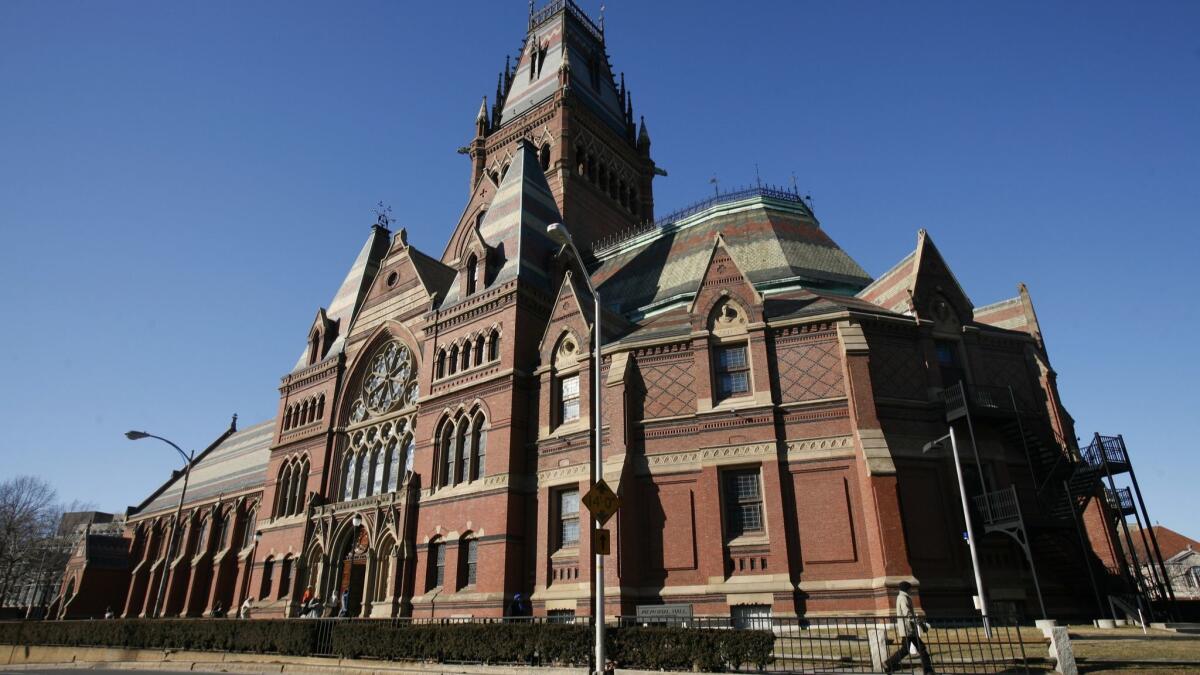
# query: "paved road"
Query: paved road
77,671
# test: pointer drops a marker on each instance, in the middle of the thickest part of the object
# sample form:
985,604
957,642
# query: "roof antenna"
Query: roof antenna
795,189
716,185
757,178
808,198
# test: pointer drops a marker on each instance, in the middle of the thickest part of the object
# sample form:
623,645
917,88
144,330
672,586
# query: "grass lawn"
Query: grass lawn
1121,650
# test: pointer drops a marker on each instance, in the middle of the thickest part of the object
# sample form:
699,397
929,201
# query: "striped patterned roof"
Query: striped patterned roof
775,242
239,463
531,85
515,224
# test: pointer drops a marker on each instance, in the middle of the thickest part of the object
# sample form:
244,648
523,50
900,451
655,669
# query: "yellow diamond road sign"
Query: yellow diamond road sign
601,501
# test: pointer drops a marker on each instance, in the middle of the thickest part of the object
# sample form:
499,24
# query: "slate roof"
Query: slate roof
515,225
353,291
772,237
584,50
237,463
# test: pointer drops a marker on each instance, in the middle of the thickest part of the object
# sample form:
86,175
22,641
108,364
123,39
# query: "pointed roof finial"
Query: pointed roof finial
531,13
233,423
601,23
482,116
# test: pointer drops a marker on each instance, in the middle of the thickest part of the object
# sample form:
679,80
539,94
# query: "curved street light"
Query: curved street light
187,473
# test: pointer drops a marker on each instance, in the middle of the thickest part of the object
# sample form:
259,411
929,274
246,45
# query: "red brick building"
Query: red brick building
766,403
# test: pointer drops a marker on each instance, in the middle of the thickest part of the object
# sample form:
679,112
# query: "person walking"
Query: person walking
909,630
345,610
244,612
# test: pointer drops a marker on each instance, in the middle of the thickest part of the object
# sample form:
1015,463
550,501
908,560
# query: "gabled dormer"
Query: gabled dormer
322,334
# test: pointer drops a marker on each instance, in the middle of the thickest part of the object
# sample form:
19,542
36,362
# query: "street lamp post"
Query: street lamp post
187,473
962,493
558,232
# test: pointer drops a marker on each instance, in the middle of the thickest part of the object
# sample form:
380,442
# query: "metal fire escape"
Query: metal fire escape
1066,480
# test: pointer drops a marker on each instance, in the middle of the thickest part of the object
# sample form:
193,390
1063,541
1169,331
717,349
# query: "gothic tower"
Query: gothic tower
562,96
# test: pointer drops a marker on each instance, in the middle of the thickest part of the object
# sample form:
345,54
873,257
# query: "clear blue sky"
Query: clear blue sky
182,185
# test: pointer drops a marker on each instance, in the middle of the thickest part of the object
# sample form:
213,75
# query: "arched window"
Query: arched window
441,363
321,406
285,576
377,460
251,524
454,359
494,345
267,571
591,168
200,532
479,447
394,466
447,449
544,156
281,490
468,559
472,270
503,171
409,448
437,564
479,350
464,451
300,486
466,355
580,160
603,177
222,531
364,475
348,478
287,418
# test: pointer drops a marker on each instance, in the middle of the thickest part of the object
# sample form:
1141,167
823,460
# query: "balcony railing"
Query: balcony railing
983,399
1120,500
999,507
1105,449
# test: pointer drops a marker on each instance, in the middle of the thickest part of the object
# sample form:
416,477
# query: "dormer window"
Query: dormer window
314,348
568,399
730,350
472,274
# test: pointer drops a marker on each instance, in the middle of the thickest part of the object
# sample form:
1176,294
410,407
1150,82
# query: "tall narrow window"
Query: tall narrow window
479,350
494,345
568,399
464,450
447,448
439,561
200,536
568,518
441,363
453,359
472,264
466,356
479,447
394,466
743,502
222,531
251,524
285,576
469,561
409,448
377,459
268,569
949,363
364,475
348,479
732,371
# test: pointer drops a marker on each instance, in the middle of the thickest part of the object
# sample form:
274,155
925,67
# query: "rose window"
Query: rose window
390,383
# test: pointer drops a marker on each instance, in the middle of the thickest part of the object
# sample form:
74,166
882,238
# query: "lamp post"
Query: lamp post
187,473
558,232
962,493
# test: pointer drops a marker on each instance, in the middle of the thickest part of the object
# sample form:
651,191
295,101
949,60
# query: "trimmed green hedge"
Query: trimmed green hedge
661,648
532,643
294,638
651,648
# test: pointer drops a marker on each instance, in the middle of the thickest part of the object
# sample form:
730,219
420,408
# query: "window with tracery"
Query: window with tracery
382,424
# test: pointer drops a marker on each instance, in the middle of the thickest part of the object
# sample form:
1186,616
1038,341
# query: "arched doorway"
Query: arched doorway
352,572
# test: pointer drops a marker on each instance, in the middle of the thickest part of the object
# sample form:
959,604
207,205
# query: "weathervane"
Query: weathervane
383,215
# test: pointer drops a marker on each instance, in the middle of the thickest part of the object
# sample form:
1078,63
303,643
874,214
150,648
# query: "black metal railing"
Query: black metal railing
861,644
999,507
1105,449
555,6
855,644
606,245
1120,500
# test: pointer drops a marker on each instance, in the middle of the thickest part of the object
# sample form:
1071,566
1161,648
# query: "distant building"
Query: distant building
766,402
1181,560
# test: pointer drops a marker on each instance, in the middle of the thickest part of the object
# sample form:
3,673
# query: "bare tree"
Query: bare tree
29,517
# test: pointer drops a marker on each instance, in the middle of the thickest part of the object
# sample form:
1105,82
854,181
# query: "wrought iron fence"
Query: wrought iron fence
1105,448
863,644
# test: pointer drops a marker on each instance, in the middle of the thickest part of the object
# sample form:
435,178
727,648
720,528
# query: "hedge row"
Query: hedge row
652,648
277,636
532,643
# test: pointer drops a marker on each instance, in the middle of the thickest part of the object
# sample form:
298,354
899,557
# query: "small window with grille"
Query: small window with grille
472,562
732,371
743,503
568,518
754,617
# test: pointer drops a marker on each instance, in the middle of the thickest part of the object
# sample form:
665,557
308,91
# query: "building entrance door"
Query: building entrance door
354,572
